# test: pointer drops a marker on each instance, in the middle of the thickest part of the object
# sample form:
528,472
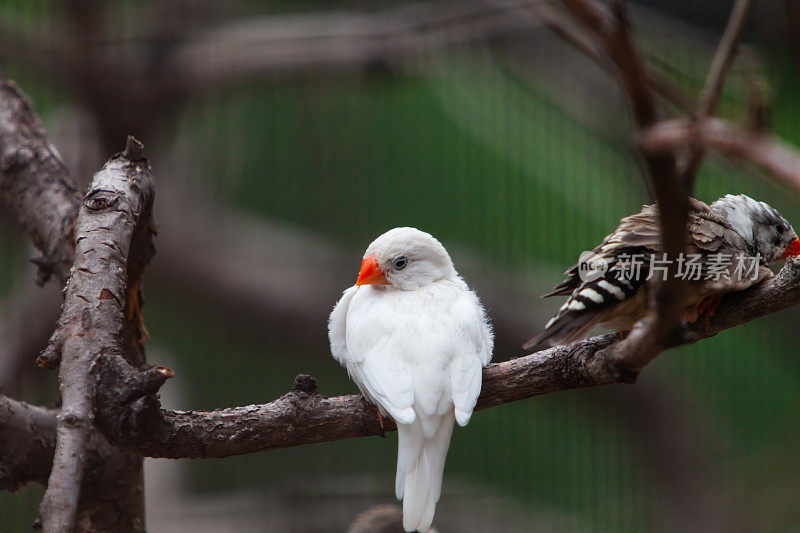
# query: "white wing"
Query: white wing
366,339
473,352
337,327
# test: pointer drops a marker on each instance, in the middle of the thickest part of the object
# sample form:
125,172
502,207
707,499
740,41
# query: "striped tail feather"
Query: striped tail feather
586,307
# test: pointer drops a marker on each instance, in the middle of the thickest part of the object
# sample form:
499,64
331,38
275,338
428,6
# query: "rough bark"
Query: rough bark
28,441
101,315
127,408
129,414
128,411
34,184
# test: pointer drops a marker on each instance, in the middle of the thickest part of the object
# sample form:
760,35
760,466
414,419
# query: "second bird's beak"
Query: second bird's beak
793,250
371,273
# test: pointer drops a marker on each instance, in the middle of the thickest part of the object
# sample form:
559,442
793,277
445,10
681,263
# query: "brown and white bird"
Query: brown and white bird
729,245
414,338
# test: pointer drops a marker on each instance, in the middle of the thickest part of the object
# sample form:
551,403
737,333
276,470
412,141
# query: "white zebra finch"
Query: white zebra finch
414,338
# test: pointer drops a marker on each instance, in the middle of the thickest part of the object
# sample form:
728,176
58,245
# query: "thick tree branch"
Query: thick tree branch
28,441
101,298
128,411
34,184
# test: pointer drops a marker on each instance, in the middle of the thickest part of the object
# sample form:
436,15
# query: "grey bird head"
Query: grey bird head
760,225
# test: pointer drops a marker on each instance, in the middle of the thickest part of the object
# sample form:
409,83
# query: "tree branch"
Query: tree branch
34,184
561,25
715,81
128,411
28,439
129,415
101,297
765,150
29,313
662,323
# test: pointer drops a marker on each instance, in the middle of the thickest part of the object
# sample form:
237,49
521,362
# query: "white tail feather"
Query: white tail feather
420,466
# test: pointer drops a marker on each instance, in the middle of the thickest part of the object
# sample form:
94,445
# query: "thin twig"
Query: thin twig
723,57
715,81
560,24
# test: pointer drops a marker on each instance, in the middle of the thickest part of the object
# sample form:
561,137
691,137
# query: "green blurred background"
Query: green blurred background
510,147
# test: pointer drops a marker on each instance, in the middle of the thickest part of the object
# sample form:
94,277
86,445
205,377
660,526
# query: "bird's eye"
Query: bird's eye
400,263
780,229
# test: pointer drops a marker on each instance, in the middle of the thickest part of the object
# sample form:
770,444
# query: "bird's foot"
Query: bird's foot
381,431
709,306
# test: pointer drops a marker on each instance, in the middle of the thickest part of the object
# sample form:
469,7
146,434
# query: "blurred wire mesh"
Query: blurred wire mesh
285,135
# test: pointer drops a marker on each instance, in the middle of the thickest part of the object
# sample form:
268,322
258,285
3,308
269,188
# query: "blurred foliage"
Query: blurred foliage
478,151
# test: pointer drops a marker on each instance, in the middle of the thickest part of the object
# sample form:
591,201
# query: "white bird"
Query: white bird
414,338
724,239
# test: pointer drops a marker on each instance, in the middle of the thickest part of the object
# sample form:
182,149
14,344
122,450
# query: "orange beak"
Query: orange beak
793,250
371,273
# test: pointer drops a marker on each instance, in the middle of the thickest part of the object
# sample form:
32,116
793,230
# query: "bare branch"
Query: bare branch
129,413
341,40
660,327
775,156
715,81
723,57
34,184
28,439
100,295
29,314
560,24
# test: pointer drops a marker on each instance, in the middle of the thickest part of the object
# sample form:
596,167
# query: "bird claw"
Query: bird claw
709,307
381,430
381,426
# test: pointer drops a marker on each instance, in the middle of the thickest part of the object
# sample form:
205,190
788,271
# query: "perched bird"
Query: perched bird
414,338
729,243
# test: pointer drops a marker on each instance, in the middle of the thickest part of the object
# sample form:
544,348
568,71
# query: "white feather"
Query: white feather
416,349
612,289
575,305
592,294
